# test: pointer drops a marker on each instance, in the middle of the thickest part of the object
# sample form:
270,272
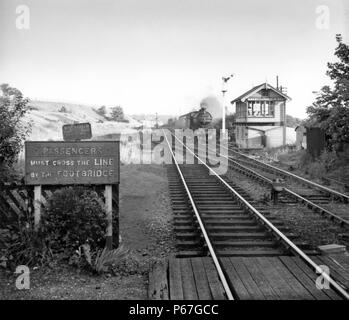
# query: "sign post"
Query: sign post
37,206
109,210
61,163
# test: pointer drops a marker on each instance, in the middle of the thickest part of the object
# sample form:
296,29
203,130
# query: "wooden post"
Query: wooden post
109,211
116,211
37,206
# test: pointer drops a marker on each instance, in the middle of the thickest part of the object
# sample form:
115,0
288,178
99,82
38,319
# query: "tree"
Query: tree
330,111
117,114
102,111
292,121
13,131
63,109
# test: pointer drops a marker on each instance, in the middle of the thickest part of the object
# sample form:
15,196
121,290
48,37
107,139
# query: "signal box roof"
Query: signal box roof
255,89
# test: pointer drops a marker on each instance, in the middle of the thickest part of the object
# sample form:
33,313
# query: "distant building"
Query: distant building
313,139
261,117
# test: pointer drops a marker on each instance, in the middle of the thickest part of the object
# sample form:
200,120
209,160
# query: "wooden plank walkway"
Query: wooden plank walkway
253,278
338,265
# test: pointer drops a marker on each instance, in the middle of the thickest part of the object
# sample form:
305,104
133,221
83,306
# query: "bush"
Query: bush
19,243
73,217
102,111
72,231
305,158
317,168
117,114
101,260
63,109
13,130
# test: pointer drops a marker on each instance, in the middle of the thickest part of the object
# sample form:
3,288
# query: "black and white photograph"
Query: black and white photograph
174,154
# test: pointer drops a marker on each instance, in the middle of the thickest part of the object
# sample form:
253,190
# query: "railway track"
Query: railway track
213,218
303,185
298,189
232,229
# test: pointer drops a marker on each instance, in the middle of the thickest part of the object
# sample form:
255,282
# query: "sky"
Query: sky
165,56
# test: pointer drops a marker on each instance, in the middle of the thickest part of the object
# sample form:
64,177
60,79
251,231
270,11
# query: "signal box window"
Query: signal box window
259,109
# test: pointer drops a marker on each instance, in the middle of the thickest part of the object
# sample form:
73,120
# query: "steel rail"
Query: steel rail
330,215
280,235
287,173
309,203
203,230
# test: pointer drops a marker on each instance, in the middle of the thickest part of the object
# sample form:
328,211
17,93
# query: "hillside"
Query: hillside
47,121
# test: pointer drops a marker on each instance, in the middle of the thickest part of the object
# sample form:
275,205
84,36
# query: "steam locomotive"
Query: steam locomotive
196,119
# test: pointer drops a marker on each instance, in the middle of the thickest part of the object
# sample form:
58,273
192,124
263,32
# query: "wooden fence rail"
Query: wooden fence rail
15,199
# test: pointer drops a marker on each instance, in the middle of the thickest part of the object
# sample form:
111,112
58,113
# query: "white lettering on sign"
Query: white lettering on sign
39,162
85,173
72,151
88,162
103,162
